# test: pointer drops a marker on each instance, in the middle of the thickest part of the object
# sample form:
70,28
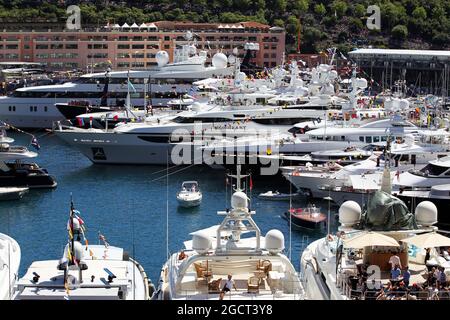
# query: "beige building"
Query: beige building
134,46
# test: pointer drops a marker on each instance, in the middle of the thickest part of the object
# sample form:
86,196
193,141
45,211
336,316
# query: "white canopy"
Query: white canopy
369,239
428,240
125,25
152,25
134,25
117,26
143,25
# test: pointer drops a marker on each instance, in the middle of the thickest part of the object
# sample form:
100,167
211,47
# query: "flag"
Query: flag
35,143
80,122
116,117
251,183
397,174
130,85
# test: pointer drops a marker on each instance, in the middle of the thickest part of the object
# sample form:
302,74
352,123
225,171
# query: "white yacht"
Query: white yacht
257,265
339,267
34,107
189,195
85,272
9,265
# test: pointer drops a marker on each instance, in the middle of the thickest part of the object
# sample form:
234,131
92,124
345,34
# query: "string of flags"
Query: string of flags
34,142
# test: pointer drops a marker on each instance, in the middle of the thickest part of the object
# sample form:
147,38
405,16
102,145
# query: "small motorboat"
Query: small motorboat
309,217
277,196
190,194
12,193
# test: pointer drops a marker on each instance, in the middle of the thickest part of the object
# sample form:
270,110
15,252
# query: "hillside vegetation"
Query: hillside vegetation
420,24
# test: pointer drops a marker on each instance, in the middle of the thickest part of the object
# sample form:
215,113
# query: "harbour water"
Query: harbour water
129,205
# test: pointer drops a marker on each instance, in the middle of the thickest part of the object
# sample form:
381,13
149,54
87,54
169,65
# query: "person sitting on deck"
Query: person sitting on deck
395,260
229,284
395,272
406,276
182,255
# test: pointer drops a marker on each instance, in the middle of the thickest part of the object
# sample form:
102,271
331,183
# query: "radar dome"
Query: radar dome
239,200
220,60
349,213
426,213
162,58
274,241
201,243
77,252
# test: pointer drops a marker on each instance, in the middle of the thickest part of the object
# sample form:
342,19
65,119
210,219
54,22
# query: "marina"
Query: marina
215,161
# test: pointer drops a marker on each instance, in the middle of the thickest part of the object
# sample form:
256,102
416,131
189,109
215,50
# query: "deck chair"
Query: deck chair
214,286
265,266
202,273
253,285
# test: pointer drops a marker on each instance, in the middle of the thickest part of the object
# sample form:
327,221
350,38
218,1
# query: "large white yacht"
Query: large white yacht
339,267
34,107
85,272
257,265
9,265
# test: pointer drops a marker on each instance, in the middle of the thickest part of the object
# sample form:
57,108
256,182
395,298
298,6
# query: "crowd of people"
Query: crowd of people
436,284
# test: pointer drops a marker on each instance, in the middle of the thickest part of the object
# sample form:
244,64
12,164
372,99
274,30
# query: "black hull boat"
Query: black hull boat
71,110
26,175
307,218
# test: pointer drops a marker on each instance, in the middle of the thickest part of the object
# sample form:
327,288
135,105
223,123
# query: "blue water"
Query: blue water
128,204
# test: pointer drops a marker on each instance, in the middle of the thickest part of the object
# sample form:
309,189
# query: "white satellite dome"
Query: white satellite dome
274,241
426,213
239,200
349,213
162,58
196,106
403,104
231,59
220,61
361,83
77,251
201,242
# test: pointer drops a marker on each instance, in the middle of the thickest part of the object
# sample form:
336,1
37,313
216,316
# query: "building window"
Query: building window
166,38
123,55
137,46
42,46
123,46
72,46
123,38
26,47
152,46
56,46
123,65
12,46
166,46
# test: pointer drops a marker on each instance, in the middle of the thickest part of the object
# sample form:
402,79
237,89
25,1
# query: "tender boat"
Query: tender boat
189,195
277,196
16,173
257,265
310,217
85,272
12,193
10,255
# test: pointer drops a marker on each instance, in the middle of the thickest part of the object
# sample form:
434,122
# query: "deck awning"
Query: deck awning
369,239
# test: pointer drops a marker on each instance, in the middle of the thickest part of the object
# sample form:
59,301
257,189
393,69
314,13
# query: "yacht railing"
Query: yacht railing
358,293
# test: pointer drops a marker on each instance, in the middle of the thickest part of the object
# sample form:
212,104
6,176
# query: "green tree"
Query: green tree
420,13
320,9
340,7
360,10
400,32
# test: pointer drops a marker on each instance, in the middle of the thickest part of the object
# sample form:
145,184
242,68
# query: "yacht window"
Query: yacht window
9,108
383,138
45,108
376,139
368,139
361,138
14,108
433,170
